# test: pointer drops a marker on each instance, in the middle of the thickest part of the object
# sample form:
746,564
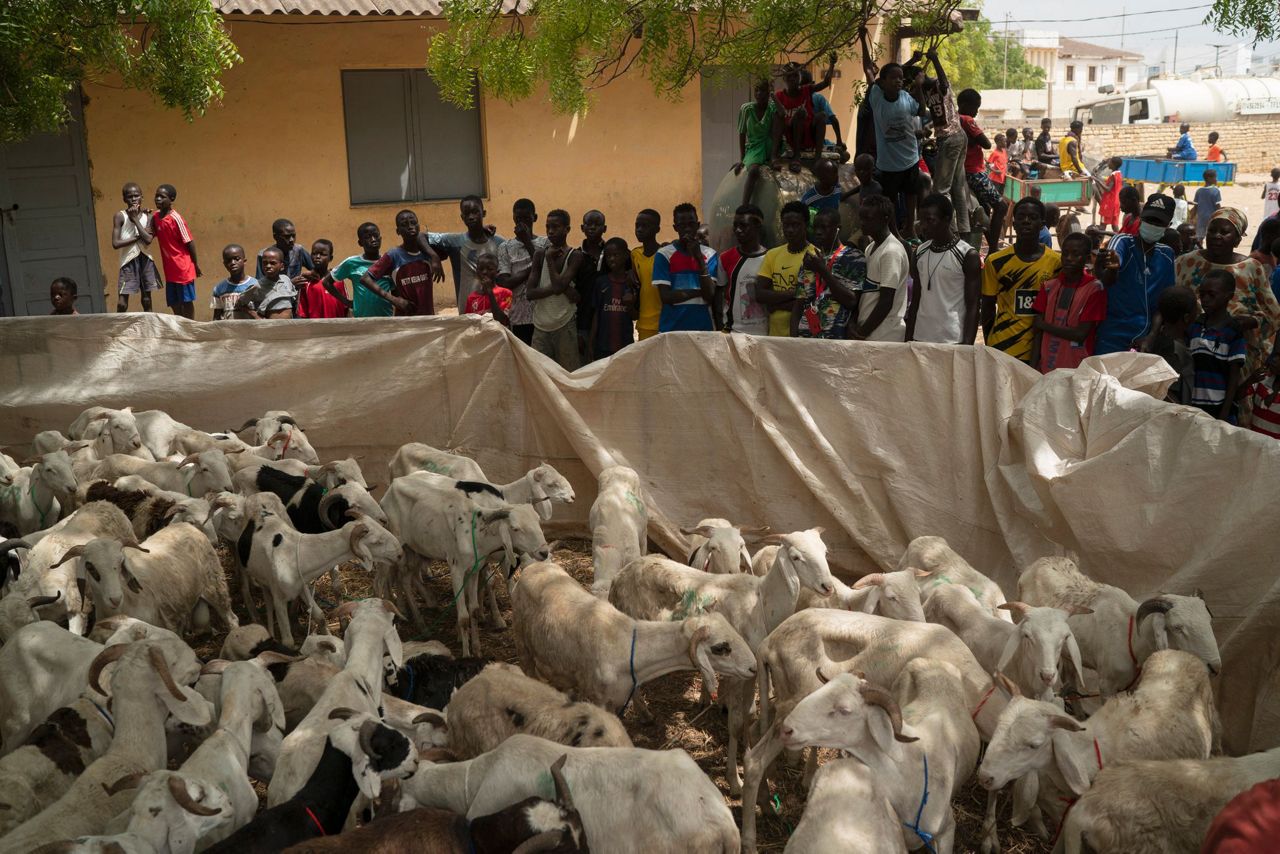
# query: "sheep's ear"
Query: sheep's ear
871,600
1026,789
394,647
194,709
1073,652
1074,765
881,730
1157,629
1010,648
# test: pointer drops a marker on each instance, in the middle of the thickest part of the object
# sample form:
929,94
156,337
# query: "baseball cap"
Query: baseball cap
1158,209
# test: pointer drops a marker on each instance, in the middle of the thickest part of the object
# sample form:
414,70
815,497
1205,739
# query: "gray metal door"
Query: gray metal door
721,99
46,220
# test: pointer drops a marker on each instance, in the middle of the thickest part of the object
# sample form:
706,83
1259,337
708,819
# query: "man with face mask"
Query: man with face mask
1135,269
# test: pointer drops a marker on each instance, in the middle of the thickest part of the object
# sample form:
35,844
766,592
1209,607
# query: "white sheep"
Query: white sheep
163,435
619,525
1029,653
173,571
415,456
574,641
271,423
148,684
46,573
1156,806
946,566
918,742
247,703
196,474
720,547
846,810
501,701
169,814
1118,634
285,563
358,686
630,800
655,588
120,425
17,610
437,519
33,498
1170,715
44,667
849,642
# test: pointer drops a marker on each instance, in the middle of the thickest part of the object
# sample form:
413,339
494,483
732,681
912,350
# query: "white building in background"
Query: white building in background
1081,65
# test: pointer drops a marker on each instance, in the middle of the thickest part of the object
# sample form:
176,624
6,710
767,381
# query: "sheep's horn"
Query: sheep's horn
877,696
876,578
430,717
563,796
161,667
129,781
101,416
1019,608
280,436
1157,605
189,460
346,610
288,419
173,511
438,754
355,513
547,840
41,601
367,729
108,655
701,634
13,543
1007,684
135,545
222,500
341,713
252,422
358,533
74,551
390,608
178,789
822,677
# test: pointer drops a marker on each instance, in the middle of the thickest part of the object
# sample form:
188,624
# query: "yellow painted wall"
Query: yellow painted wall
276,147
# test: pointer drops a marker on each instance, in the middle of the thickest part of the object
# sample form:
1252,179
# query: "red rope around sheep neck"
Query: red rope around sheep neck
319,826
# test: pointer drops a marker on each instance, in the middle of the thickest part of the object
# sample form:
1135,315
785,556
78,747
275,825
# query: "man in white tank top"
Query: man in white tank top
129,234
948,282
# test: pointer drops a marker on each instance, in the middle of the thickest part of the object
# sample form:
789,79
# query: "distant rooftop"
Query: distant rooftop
339,7
1076,48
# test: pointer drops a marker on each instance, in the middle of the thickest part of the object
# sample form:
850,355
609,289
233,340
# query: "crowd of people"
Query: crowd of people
1146,277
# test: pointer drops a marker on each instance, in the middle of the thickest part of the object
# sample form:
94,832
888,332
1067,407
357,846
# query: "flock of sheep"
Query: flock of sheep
1095,710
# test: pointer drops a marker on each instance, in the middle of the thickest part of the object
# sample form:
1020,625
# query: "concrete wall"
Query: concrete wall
1254,146
276,146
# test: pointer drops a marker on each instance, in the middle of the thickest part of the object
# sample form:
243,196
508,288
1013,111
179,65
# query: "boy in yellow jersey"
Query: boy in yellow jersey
1012,277
776,280
1071,151
648,224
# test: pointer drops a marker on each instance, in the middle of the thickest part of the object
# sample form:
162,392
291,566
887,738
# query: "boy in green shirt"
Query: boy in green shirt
364,302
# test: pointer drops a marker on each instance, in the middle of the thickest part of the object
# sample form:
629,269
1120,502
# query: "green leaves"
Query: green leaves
175,49
575,46
976,58
1256,19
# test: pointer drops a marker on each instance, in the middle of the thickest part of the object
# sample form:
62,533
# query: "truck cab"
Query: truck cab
1141,107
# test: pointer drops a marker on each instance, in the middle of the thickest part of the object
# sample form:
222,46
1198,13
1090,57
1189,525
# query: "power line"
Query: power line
1139,33
1105,17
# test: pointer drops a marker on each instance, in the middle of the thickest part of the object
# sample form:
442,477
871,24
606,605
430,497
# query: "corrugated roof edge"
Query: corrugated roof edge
345,8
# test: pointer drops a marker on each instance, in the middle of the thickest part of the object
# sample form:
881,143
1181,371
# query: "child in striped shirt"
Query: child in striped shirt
1262,391
1217,348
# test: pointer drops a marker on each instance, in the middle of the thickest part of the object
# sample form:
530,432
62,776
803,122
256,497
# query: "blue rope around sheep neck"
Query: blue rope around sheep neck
925,836
632,693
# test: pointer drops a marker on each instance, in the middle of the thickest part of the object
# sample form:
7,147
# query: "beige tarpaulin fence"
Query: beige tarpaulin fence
876,443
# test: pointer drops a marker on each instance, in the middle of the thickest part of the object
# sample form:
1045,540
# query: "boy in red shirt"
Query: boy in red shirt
490,298
1068,309
177,253
799,122
975,169
1262,391
316,301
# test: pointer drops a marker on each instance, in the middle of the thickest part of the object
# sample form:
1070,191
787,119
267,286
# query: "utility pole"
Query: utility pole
1004,83
1124,14
1217,53
1174,70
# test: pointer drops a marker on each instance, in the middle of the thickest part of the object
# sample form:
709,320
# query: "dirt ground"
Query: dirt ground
679,720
